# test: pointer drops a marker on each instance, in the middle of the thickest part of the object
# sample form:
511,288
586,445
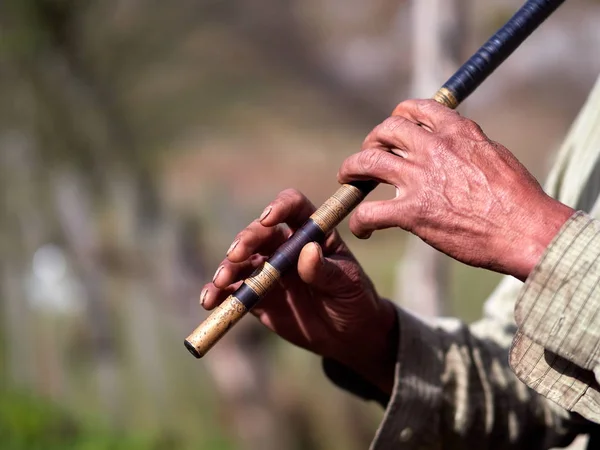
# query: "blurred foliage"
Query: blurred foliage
30,423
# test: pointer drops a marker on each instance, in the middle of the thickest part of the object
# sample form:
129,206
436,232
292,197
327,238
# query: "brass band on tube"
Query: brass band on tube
263,280
445,97
336,207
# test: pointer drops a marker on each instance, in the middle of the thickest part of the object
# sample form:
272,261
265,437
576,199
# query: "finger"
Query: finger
229,272
310,262
372,164
399,133
256,238
290,207
323,274
429,113
334,244
211,296
379,215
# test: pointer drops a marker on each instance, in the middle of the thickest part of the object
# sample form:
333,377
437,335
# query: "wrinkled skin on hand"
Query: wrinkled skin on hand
459,191
329,306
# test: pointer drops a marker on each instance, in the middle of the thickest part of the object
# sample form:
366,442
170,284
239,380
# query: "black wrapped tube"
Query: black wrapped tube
499,47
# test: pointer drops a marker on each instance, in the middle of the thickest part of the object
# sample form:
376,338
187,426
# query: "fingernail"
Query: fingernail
365,236
217,273
203,296
232,246
265,213
320,251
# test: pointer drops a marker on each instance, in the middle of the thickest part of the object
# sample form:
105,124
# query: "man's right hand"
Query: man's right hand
459,191
329,306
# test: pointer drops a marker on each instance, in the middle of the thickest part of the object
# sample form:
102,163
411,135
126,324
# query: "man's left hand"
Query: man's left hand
460,192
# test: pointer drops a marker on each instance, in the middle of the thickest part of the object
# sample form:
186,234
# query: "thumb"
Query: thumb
316,270
378,215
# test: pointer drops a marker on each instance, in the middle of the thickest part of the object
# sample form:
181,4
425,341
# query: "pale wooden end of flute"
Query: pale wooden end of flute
215,326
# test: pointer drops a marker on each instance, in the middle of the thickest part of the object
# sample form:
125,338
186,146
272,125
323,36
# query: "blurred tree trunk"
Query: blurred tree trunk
240,366
80,128
15,213
439,35
31,335
73,203
137,267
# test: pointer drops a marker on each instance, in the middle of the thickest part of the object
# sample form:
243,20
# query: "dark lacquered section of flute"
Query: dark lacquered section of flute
247,296
365,186
284,259
499,47
287,255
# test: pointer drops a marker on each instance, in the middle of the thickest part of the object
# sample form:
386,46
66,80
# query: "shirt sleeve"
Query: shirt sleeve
557,348
454,388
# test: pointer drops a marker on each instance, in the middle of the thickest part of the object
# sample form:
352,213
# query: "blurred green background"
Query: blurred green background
137,137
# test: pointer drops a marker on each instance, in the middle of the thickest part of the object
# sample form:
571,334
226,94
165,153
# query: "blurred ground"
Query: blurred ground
138,137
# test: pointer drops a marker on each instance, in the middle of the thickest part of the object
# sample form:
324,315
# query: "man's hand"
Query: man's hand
329,306
457,190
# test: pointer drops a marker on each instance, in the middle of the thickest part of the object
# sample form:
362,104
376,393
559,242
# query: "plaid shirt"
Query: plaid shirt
526,376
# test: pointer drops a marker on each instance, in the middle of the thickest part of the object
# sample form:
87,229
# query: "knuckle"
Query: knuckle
290,193
466,127
369,160
367,142
247,235
398,109
226,264
385,132
471,128
292,197
390,124
425,106
431,109
363,216
241,236
406,104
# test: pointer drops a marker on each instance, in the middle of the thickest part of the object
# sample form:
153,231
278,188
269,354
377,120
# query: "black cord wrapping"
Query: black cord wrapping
499,47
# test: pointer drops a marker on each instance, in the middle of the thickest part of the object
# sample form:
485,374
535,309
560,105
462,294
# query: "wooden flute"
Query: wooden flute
468,77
